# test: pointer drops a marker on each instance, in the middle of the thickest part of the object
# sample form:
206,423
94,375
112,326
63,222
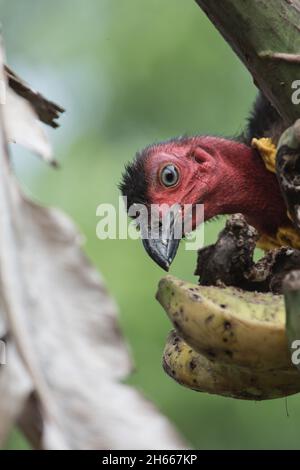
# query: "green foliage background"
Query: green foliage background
130,72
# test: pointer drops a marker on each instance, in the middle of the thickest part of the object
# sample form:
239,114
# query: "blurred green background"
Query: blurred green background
130,72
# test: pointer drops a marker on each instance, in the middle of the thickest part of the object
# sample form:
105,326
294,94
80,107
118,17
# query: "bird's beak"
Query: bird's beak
163,247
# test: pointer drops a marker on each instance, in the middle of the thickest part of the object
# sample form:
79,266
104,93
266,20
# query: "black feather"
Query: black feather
134,180
264,121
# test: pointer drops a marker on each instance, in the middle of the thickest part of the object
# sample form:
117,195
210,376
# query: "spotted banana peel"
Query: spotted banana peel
227,341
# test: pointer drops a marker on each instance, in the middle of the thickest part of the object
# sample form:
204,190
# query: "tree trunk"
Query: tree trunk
265,34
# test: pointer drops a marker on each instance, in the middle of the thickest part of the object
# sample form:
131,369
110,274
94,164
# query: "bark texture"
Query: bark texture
265,34
229,262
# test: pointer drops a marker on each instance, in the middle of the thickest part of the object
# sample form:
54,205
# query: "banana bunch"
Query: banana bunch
227,341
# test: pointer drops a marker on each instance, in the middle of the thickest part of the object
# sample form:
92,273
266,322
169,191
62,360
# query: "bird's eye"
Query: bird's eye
169,176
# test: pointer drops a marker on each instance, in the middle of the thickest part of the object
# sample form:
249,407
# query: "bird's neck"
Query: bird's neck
245,185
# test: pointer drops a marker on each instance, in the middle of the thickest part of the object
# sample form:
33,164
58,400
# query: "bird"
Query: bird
226,175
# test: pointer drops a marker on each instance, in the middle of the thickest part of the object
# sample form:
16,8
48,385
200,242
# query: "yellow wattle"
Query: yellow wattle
267,151
285,236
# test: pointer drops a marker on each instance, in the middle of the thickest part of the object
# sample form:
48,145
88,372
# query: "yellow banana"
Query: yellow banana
195,371
228,325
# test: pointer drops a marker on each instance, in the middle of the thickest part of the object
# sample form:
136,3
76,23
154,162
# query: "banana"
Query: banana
195,371
228,325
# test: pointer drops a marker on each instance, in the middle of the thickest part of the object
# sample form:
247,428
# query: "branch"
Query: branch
293,58
265,34
292,307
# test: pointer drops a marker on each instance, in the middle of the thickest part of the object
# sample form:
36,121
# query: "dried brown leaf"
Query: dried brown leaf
65,348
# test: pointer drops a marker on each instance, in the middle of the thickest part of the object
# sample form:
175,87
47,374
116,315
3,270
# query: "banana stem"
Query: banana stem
292,306
287,170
